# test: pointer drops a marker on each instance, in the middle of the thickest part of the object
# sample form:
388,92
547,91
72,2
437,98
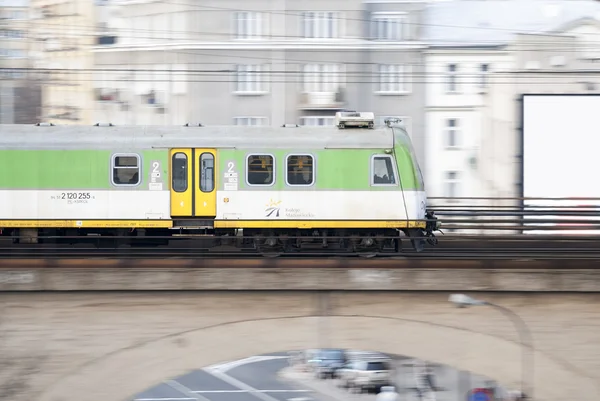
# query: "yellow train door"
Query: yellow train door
182,185
205,194
193,186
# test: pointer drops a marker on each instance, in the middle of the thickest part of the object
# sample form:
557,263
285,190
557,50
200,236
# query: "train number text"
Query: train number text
75,195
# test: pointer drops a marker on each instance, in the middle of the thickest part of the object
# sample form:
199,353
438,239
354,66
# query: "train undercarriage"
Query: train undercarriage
271,242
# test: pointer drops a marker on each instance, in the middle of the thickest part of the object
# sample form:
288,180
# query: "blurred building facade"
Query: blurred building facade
453,70
63,33
564,60
19,95
259,62
483,55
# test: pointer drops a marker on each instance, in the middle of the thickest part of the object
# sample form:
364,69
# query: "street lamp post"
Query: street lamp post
526,339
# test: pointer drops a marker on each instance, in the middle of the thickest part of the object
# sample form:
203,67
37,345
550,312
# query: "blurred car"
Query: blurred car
366,374
327,361
310,359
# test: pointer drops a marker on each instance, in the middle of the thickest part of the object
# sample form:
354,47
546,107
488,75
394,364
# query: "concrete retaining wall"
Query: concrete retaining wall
360,275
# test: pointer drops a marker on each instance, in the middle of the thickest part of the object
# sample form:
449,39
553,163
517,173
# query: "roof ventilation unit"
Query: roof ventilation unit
344,119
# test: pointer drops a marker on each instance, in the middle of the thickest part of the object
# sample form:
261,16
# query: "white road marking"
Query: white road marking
185,391
249,391
300,399
218,371
241,385
224,367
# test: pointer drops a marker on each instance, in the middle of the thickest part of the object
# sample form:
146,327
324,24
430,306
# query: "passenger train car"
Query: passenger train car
271,184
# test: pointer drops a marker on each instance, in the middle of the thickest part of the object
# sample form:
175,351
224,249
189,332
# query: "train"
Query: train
354,186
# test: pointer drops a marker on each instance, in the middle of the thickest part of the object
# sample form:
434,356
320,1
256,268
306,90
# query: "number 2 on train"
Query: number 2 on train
156,169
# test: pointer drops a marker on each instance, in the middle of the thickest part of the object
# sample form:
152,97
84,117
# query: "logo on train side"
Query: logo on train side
272,208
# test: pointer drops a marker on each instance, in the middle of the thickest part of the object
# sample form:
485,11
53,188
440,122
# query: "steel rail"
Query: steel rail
200,254
10,269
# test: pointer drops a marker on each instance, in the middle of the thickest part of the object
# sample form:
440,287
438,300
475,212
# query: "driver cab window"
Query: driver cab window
382,170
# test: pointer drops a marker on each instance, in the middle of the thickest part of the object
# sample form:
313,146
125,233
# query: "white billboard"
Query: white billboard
561,158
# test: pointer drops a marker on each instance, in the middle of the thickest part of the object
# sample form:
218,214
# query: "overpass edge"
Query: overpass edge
119,275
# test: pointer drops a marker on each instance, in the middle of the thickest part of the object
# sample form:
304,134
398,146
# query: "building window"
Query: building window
393,79
483,75
317,121
11,33
17,15
452,79
558,61
207,172
389,27
452,133
248,25
320,25
11,73
300,170
179,165
126,169
260,170
322,78
382,170
452,182
251,121
12,53
251,78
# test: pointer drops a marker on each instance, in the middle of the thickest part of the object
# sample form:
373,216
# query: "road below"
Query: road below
271,378
250,379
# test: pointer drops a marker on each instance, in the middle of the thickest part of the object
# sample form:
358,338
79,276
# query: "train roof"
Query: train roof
20,136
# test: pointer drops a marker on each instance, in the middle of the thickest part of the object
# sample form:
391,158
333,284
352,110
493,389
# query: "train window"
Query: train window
126,169
207,172
179,167
260,170
383,170
300,170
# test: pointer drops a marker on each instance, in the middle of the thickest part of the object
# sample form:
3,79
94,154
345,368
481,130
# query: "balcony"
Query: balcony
63,112
106,95
322,100
57,10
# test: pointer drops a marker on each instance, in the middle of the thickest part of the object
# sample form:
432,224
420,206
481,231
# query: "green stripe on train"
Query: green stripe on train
70,169
336,169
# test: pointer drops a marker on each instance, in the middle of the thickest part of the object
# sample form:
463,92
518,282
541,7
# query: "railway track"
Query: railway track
455,250
228,256
11,269
450,247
